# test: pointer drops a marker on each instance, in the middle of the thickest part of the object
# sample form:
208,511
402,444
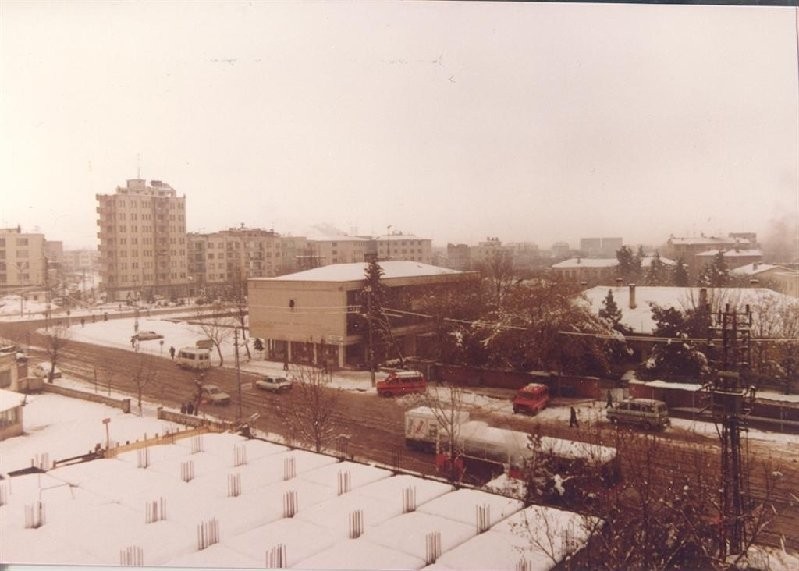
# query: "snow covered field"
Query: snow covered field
92,512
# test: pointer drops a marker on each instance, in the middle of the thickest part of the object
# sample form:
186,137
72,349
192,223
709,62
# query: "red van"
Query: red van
531,399
402,383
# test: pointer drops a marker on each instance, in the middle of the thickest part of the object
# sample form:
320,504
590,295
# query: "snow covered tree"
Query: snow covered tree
715,274
629,268
542,325
610,311
657,273
217,326
374,299
57,339
680,274
310,412
680,357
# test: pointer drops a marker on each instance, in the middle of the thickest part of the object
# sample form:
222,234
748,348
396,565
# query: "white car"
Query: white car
214,395
274,384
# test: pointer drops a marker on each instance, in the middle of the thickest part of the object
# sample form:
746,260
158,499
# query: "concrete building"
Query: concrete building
219,261
80,260
490,250
23,260
561,250
399,246
10,414
688,248
313,316
344,249
734,257
587,271
459,257
143,248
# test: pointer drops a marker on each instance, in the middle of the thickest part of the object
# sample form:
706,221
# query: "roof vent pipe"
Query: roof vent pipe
632,297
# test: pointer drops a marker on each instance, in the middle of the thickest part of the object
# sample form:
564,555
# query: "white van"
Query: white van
193,358
647,413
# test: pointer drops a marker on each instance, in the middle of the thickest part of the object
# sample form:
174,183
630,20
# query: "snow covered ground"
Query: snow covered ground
93,512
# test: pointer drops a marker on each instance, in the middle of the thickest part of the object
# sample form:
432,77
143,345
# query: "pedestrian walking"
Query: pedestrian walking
572,417
183,408
172,353
190,408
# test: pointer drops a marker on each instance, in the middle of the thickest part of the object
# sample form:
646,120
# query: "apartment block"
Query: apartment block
222,260
23,261
142,235
400,246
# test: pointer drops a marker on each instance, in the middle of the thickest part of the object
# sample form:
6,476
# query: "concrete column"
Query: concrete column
341,355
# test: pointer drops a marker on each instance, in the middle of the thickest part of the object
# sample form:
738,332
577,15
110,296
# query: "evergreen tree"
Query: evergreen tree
681,274
716,274
629,268
610,311
374,296
657,272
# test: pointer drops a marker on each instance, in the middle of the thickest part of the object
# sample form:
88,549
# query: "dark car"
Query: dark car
146,336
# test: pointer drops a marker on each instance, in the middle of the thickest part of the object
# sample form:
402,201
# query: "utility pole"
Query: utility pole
730,404
238,366
369,323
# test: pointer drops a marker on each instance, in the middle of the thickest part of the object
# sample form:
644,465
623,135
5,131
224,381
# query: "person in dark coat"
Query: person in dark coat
172,353
572,417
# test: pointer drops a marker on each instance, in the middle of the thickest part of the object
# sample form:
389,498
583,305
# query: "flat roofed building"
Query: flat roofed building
23,260
142,233
313,316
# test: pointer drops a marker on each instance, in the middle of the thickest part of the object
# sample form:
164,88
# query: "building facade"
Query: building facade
23,260
143,244
314,316
587,271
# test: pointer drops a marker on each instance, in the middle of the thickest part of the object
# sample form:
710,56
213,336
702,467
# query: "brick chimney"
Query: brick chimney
703,297
633,305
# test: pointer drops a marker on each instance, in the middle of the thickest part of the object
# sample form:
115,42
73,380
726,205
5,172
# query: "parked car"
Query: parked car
146,336
214,395
531,398
42,370
274,384
402,383
646,413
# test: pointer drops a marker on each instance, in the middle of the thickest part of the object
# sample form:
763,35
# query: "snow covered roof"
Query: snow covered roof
709,240
730,253
574,263
639,319
10,399
754,269
357,272
646,261
93,509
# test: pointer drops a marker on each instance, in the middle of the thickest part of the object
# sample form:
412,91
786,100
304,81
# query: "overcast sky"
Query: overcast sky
453,121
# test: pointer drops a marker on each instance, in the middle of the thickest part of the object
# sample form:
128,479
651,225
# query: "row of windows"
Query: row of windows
18,242
147,203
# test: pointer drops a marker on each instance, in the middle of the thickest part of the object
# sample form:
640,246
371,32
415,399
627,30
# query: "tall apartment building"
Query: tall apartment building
143,241
222,260
23,262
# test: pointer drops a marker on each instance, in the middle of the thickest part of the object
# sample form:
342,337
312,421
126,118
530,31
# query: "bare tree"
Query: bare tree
218,327
310,411
143,375
447,406
57,339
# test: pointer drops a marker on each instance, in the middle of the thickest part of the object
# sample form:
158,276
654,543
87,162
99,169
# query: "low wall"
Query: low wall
768,414
559,385
194,421
122,404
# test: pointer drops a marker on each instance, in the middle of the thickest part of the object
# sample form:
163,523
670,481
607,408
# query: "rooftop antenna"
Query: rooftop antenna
138,165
